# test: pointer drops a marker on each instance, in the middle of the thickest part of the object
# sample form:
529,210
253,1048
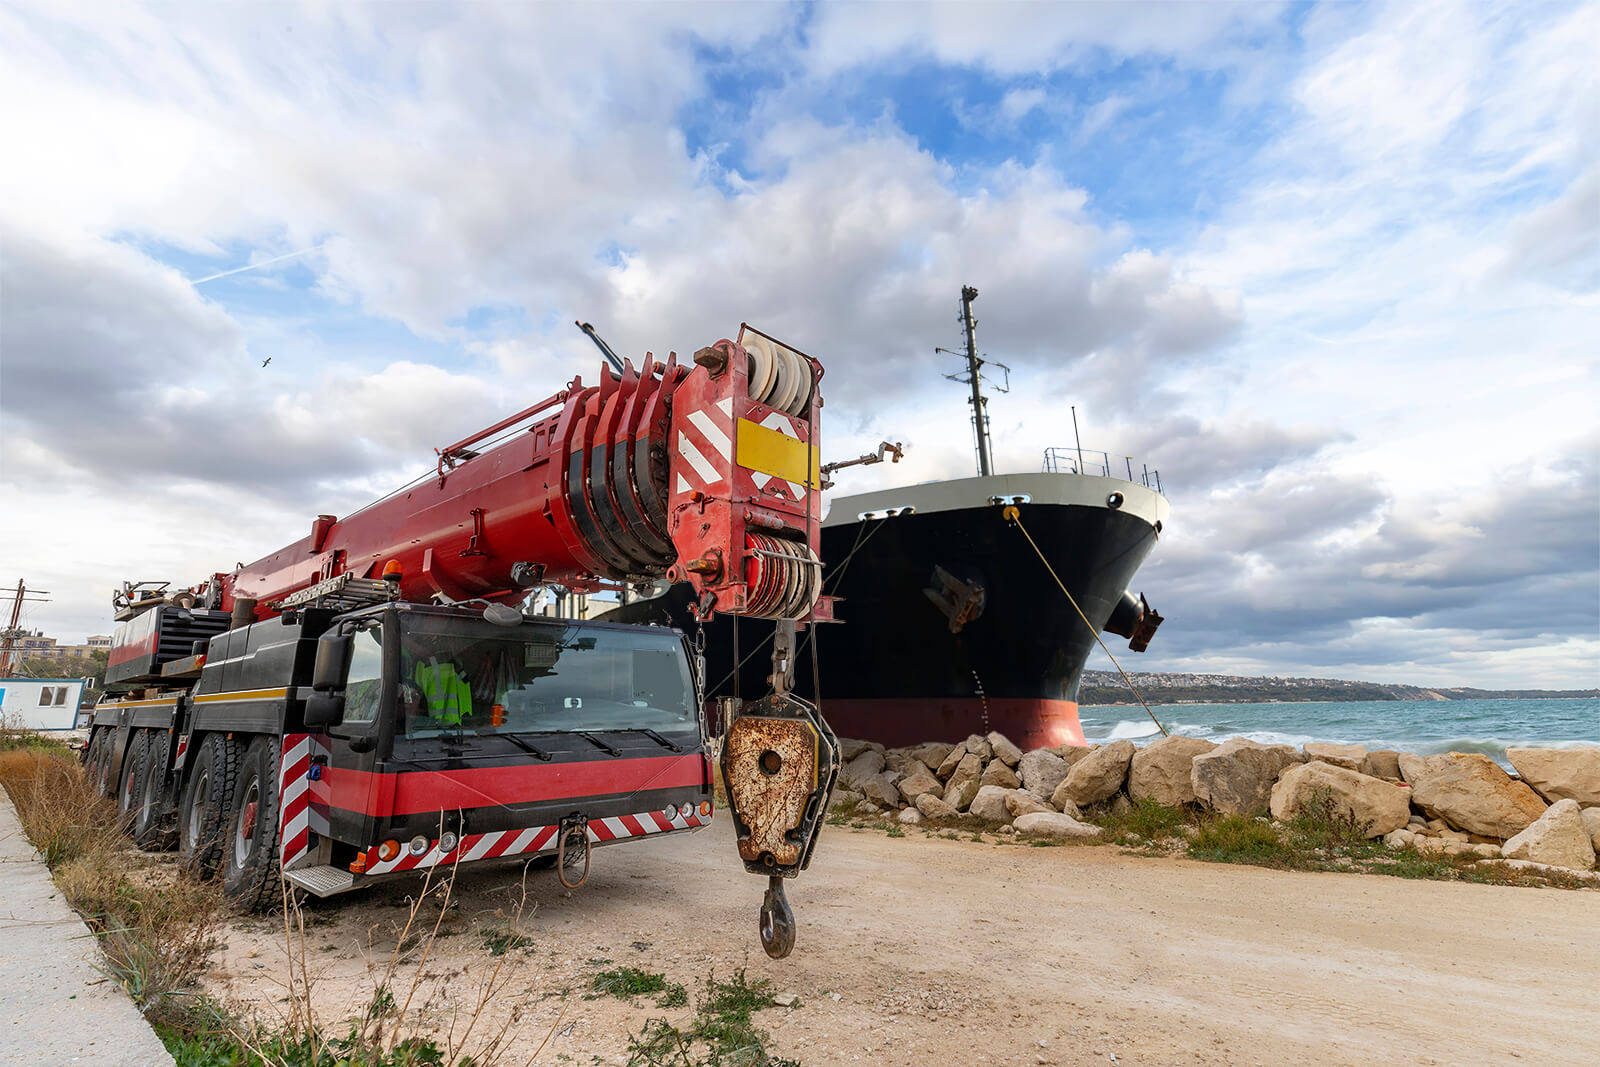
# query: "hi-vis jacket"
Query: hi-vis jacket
448,694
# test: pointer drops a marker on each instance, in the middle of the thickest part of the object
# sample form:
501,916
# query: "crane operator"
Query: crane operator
446,692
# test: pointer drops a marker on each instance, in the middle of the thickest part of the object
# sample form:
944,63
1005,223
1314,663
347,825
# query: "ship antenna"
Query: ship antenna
974,377
1076,438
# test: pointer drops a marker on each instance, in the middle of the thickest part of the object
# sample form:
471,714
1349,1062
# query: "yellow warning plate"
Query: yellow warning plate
777,454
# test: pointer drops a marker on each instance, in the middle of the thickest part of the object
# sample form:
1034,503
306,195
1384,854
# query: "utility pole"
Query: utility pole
8,636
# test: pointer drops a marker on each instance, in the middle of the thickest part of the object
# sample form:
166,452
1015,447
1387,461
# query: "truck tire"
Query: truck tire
250,850
207,803
152,823
95,767
132,783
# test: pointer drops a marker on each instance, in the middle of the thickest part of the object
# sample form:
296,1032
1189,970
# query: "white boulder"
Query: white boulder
1469,791
1381,806
1054,824
990,803
1349,757
1561,773
1558,838
1022,802
1162,770
1004,750
1041,771
1100,774
868,763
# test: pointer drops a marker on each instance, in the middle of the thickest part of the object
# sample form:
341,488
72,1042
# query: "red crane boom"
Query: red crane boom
706,473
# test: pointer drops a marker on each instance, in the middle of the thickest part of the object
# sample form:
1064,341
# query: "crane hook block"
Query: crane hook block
780,761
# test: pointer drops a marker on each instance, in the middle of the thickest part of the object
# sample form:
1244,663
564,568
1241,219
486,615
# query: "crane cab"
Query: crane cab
339,748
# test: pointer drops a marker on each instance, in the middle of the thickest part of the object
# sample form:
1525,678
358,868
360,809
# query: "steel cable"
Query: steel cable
1011,514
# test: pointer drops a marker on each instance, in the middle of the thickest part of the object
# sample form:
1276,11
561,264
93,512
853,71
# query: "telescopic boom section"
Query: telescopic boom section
706,473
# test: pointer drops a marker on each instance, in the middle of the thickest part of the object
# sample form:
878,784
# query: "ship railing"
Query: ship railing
1092,462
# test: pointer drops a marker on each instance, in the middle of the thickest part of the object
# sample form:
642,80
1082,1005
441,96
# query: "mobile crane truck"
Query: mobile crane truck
368,700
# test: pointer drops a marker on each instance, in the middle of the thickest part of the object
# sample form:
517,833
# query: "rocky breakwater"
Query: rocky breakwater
1455,803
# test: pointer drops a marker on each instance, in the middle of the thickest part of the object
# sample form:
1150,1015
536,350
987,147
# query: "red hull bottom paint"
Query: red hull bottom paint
896,722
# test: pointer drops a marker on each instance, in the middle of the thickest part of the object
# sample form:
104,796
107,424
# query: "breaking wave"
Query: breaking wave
1423,727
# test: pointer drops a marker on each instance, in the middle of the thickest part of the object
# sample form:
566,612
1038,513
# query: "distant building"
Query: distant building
40,703
35,645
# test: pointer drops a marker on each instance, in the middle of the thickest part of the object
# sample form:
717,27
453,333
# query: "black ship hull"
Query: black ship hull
949,623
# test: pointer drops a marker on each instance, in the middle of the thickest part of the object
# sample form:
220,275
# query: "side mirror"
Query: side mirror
333,662
324,709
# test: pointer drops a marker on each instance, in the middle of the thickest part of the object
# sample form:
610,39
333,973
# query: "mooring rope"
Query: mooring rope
1011,514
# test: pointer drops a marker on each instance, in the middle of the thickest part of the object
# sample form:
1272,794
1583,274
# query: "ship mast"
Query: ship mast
974,377
980,403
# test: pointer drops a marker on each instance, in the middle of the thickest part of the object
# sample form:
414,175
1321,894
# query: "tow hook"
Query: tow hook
572,847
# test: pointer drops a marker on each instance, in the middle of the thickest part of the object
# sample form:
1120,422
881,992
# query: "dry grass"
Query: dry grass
415,1015
155,926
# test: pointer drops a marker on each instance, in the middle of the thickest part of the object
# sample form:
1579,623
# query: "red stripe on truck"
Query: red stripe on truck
421,792
144,646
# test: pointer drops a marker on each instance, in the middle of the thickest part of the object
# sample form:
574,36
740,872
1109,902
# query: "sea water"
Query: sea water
1421,726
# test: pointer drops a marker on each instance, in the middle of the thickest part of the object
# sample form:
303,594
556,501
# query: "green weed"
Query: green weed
723,1033
1326,824
1238,839
628,982
499,942
1145,818
227,1050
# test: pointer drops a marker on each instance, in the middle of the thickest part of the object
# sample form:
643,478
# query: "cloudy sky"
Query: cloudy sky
1332,270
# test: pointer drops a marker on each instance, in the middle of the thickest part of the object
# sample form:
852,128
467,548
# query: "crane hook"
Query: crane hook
777,920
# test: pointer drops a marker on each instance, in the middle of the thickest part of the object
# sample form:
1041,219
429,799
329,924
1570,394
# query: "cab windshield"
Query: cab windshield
542,677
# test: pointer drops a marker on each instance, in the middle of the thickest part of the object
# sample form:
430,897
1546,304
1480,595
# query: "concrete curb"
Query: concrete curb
55,1006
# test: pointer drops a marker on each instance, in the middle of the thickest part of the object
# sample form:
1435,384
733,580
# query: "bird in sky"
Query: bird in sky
266,361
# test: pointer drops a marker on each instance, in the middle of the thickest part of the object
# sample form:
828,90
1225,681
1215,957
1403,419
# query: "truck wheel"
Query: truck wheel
250,852
207,802
132,787
152,830
95,766
102,763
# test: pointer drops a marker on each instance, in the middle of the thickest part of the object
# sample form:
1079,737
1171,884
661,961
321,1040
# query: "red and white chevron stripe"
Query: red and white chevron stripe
533,839
302,803
707,447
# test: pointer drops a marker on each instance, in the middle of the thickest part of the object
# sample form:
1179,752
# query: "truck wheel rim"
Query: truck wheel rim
244,837
197,809
151,790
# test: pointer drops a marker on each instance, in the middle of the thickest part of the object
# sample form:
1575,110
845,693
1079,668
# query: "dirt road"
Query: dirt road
922,950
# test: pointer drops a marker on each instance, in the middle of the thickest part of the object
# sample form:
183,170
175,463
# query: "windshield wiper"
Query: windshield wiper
595,741
536,753
657,738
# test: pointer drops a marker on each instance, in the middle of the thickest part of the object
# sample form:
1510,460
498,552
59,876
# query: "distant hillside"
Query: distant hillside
1107,687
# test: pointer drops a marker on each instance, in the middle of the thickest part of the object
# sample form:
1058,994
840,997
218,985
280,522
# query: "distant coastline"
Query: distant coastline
1107,688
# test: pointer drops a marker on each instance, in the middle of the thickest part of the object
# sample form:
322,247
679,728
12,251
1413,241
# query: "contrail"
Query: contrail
253,266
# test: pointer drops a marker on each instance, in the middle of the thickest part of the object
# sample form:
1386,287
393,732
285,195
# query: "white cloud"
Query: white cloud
1373,98
1387,312
1030,38
1101,114
1017,103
